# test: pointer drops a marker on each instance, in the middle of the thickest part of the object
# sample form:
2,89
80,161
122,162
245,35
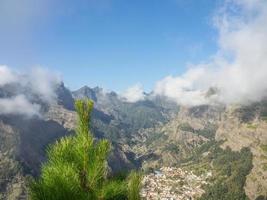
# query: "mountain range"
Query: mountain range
229,140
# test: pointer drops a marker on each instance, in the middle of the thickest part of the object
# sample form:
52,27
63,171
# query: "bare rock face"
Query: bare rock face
64,117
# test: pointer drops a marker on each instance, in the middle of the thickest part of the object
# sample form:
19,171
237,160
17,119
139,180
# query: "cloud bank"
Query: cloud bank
238,70
133,94
43,83
18,105
6,76
34,82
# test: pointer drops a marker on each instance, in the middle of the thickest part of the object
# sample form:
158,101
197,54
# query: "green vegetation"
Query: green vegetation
128,118
140,115
156,136
264,118
263,111
252,126
246,114
134,186
229,170
172,148
186,127
264,167
77,168
261,198
264,147
207,132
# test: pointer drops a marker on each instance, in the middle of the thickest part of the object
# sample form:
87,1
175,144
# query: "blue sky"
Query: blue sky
108,43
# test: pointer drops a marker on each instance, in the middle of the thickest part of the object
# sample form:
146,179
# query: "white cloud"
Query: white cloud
6,75
238,70
44,83
38,81
18,105
184,89
133,94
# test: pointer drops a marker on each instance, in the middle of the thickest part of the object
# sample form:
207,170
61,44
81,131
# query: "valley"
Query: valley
202,152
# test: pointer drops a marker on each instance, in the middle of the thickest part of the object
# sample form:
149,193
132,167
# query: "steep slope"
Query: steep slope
120,158
24,139
199,137
131,116
168,144
246,127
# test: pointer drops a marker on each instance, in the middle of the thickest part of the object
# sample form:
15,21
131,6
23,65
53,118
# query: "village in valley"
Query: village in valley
170,183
